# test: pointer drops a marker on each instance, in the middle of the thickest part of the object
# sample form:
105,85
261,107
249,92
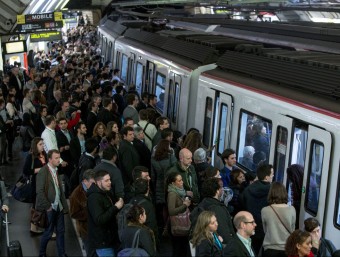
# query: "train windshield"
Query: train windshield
254,140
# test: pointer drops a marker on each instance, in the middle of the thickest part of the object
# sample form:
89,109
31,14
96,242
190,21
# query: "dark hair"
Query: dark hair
109,153
106,101
151,97
61,119
277,194
226,153
210,186
34,148
160,121
297,237
127,119
162,150
137,171
234,175
51,152
130,98
171,177
49,119
141,186
134,213
166,133
210,172
311,224
78,125
259,158
90,145
111,135
125,130
143,114
263,171
100,174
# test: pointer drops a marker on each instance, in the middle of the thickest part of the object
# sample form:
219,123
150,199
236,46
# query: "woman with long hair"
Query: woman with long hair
299,244
163,158
278,221
99,131
237,184
112,126
193,141
39,123
136,218
34,161
177,203
27,132
205,239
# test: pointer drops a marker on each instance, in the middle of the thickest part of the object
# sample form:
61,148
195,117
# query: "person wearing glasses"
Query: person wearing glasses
240,245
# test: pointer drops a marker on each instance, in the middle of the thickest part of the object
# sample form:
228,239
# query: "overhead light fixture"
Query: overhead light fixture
64,4
51,6
59,4
37,6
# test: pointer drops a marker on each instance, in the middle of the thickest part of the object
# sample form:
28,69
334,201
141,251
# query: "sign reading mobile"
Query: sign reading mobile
40,17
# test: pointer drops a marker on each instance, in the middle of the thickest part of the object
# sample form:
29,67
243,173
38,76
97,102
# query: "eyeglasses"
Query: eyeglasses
249,222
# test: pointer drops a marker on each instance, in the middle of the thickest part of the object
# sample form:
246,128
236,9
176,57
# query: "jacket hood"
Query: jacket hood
259,188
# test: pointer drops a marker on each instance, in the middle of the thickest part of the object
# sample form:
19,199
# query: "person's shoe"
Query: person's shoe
36,230
54,236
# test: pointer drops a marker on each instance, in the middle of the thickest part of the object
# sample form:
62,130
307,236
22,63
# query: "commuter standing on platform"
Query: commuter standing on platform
229,159
102,211
53,201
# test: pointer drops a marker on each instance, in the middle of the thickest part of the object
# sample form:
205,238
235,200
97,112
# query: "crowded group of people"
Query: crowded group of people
90,138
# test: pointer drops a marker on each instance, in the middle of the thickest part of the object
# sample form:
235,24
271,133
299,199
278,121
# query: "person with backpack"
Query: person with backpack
136,218
102,209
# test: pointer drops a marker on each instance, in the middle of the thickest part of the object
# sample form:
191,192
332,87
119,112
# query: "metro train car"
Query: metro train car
281,104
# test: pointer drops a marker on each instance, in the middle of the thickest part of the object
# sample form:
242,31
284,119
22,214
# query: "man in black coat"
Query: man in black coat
105,115
92,118
89,157
77,142
64,137
212,191
102,210
128,155
254,198
240,245
142,149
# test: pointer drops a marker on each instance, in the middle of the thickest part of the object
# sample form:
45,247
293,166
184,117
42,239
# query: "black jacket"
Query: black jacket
235,248
85,162
207,249
75,149
129,159
225,226
143,152
145,239
102,228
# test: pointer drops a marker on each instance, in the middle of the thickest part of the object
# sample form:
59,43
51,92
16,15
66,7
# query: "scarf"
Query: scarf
179,191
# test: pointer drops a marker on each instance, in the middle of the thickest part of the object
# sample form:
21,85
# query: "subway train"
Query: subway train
281,104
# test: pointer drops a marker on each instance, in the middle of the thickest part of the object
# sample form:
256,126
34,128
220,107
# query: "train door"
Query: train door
140,70
318,152
149,78
131,73
217,123
174,93
282,136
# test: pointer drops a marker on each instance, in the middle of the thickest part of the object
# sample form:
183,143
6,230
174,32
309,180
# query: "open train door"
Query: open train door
314,190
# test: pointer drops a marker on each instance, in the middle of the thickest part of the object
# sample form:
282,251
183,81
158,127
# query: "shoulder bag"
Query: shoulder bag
180,223
280,220
39,218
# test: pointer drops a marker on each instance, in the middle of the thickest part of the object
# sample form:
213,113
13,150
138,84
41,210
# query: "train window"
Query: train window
280,153
176,102
170,99
337,209
117,59
207,120
109,53
124,69
222,128
160,89
314,178
299,148
139,77
254,140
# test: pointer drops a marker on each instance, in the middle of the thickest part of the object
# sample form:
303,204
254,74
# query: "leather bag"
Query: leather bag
180,224
39,218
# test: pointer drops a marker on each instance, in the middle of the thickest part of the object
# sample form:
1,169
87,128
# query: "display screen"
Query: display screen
14,47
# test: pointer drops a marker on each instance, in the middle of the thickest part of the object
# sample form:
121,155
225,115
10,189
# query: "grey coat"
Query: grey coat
45,199
130,112
3,195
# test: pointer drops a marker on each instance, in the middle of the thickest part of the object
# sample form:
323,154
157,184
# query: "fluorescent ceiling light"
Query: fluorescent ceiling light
37,6
65,3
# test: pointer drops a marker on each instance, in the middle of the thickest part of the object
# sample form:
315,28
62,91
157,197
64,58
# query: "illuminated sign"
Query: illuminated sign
39,17
14,47
46,36
41,25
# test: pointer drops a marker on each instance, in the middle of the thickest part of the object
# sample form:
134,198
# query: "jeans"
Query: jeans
105,252
56,220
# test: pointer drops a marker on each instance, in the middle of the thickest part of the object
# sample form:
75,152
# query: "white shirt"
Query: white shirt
50,140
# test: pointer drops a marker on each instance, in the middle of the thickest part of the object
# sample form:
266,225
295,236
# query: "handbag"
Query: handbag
134,251
22,191
180,224
280,220
39,218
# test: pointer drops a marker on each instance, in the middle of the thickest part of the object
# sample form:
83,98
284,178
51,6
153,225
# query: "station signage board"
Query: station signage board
45,36
39,17
41,25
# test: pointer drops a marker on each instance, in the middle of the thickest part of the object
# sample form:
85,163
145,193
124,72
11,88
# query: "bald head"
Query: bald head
245,224
185,157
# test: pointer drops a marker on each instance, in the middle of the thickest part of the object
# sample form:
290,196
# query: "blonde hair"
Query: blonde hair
201,230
